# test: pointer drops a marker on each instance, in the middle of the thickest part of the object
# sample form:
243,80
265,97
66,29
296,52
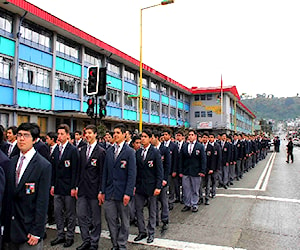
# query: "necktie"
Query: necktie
18,169
9,150
88,151
60,151
191,148
116,151
144,154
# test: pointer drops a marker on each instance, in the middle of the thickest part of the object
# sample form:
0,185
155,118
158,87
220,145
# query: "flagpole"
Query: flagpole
221,100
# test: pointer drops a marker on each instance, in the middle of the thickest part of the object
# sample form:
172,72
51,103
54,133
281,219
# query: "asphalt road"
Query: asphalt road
261,211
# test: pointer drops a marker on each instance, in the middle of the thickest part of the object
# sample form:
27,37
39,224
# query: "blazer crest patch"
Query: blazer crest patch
197,152
123,164
150,164
94,162
208,153
67,163
30,188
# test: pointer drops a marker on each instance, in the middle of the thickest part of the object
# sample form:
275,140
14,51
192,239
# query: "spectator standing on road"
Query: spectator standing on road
290,147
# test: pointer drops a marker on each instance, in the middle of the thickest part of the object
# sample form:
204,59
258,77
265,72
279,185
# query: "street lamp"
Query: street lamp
164,2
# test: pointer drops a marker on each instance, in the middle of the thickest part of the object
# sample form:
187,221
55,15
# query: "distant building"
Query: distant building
53,57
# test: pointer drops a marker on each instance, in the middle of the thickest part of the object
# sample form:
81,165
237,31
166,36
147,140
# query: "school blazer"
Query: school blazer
166,161
89,177
192,165
64,170
26,211
119,174
149,172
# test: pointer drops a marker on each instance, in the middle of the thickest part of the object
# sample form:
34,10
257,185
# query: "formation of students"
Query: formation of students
122,172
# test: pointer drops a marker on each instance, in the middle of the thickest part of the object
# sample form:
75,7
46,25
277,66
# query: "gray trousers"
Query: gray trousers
191,187
225,175
231,172
202,184
211,184
24,246
132,212
139,204
238,168
174,188
163,199
117,218
65,206
89,212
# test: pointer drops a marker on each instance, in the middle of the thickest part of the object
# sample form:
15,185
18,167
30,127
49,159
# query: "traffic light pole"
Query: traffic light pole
96,113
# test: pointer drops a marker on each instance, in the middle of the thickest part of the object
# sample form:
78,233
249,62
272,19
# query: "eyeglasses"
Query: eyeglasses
25,136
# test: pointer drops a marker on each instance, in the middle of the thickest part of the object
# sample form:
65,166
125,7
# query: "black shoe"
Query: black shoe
150,238
237,178
57,241
45,236
165,226
225,187
206,202
230,183
287,161
68,243
171,206
177,201
185,208
194,209
201,200
84,246
140,237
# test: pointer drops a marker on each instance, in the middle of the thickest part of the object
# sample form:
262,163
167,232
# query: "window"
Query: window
131,102
203,97
5,66
114,68
22,118
33,75
203,113
154,85
164,110
180,96
180,114
4,120
209,114
145,105
155,107
163,89
113,96
173,112
67,48
209,97
37,35
197,98
197,114
43,123
145,83
92,59
67,83
186,116
129,75
5,22
173,92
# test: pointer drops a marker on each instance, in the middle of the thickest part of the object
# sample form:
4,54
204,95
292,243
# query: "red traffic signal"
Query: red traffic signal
91,104
93,79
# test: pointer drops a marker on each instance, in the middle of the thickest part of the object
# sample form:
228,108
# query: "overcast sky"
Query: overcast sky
254,44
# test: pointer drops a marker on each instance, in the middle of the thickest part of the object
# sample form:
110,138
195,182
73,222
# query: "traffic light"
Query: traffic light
164,2
102,111
102,82
93,79
91,104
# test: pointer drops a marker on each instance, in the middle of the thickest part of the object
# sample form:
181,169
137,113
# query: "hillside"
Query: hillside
275,108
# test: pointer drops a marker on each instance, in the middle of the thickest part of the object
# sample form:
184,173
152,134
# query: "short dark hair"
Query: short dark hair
38,128
205,134
211,133
129,131
121,127
91,127
52,136
147,132
30,127
65,127
1,133
13,129
134,138
156,134
167,130
78,132
180,132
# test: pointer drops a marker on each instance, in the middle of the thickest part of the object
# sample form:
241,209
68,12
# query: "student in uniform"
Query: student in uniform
89,181
148,185
28,184
65,166
12,149
119,175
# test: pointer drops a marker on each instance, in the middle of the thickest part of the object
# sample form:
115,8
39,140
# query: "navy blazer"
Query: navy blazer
43,149
4,161
80,145
64,169
166,161
149,171
192,165
15,151
89,177
225,153
119,174
174,157
26,211
2,187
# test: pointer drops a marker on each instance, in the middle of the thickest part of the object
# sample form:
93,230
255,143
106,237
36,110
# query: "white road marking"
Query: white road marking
265,184
262,176
241,196
165,243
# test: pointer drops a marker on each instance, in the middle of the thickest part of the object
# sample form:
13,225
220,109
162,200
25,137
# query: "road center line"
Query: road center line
266,181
